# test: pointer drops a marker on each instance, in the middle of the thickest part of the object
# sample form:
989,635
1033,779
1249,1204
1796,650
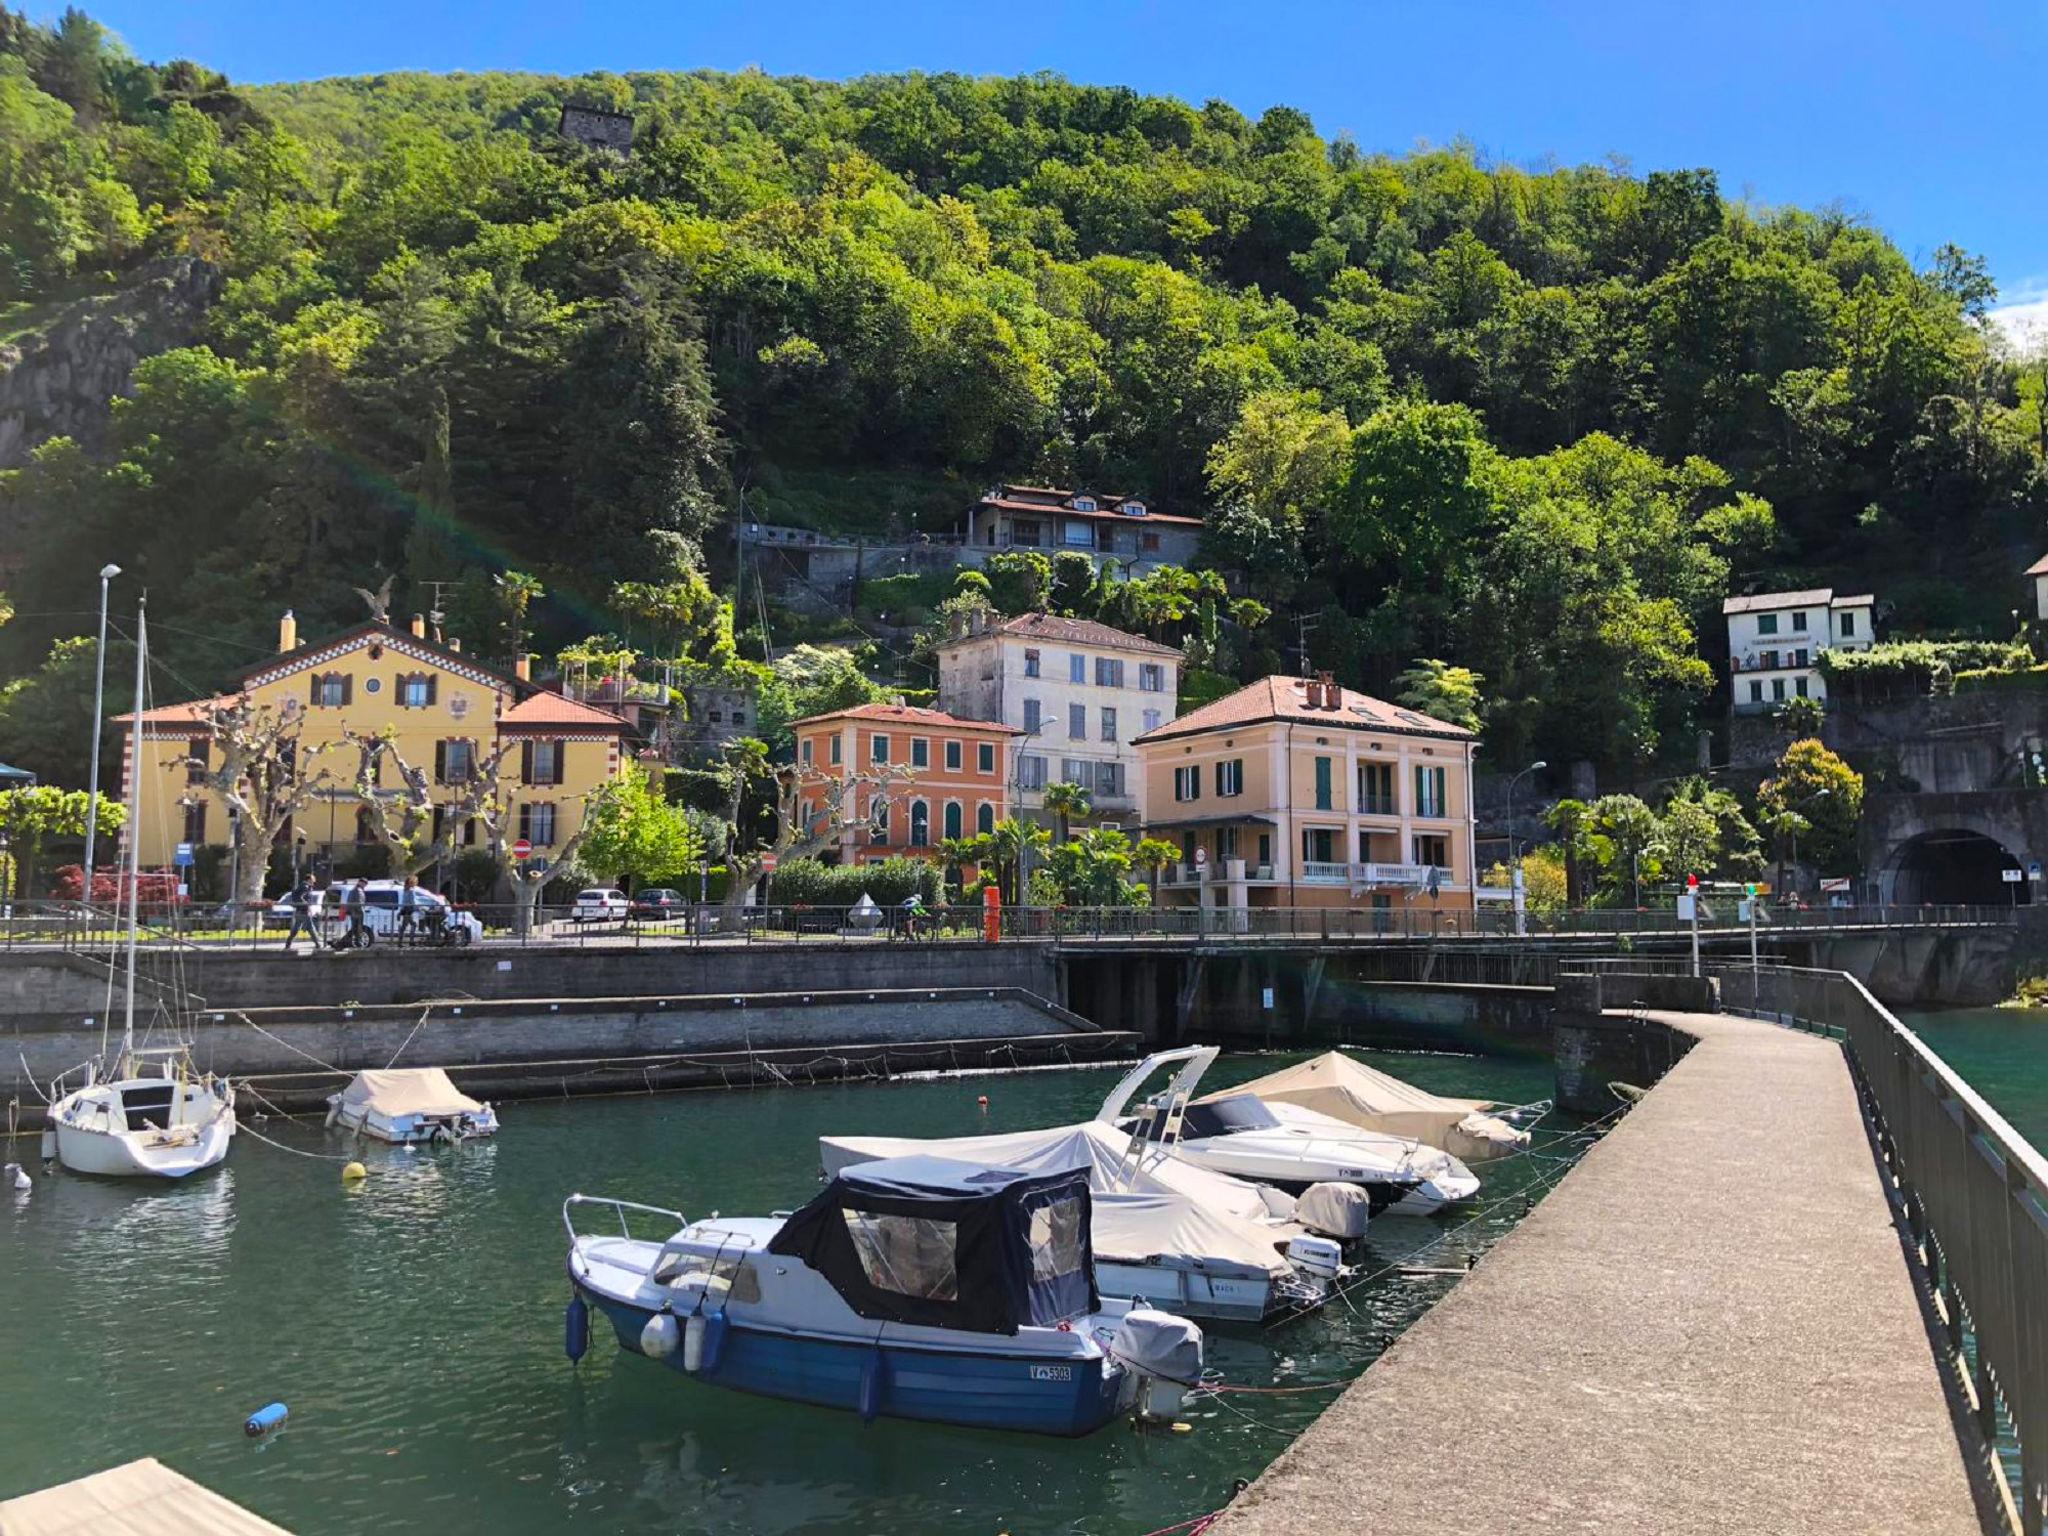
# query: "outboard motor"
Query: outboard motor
1163,1354
1316,1259
1341,1211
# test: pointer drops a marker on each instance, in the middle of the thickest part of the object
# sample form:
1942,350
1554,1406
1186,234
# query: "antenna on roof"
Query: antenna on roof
1303,624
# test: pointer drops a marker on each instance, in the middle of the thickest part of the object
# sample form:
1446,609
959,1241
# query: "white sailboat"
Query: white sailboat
142,1112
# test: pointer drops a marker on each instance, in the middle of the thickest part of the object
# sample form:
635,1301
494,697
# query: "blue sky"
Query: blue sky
1922,118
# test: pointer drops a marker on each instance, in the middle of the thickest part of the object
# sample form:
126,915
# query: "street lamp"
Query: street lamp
99,689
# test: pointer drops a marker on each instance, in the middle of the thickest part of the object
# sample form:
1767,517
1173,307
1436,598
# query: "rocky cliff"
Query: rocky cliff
60,381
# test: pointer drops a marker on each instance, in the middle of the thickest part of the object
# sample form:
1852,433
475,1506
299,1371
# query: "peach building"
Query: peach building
1296,792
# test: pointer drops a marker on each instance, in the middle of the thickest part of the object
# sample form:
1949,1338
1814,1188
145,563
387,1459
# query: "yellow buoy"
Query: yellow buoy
354,1171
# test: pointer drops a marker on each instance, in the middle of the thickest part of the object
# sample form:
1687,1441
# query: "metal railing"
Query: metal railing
80,928
1975,1194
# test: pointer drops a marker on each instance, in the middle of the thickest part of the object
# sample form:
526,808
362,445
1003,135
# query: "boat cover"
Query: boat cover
1158,1209
1334,1084
407,1091
949,1244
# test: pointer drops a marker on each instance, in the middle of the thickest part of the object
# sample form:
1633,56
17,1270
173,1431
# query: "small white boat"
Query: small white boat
407,1105
163,1123
914,1287
1291,1148
1367,1099
142,1112
1165,1233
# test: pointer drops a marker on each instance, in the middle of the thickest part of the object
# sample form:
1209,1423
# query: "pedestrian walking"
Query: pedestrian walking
355,901
303,899
409,907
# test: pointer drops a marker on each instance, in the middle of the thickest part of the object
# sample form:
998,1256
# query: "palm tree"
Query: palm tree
519,592
1152,855
955,852
1570,819
1006,847
1066,801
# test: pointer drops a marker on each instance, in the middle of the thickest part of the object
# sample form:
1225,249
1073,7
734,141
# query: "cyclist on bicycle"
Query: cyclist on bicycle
914,913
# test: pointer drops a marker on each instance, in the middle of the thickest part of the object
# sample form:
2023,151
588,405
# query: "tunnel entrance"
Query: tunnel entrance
1955,869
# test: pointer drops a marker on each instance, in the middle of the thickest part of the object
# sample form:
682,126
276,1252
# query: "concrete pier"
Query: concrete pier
1708,1327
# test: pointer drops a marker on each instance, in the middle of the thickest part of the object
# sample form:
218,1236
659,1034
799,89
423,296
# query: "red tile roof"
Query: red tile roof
908,714
190,713
1052,509
1286,698
1053,627
551,709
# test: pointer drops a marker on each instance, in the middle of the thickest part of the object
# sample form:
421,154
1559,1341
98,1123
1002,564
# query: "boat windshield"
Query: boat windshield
1226,1117
909,1255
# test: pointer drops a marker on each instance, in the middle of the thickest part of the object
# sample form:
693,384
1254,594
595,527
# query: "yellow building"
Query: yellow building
446,715
1294,792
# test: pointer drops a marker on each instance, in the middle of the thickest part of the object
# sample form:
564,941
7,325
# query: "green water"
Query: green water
2002,1053
413,1325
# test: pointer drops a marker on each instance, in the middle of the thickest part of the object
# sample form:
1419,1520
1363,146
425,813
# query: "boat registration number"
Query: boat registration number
1052,1373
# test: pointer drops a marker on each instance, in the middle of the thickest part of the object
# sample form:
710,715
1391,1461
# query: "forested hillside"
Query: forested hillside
1534,423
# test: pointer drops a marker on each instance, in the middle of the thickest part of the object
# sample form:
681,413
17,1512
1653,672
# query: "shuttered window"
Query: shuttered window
332,690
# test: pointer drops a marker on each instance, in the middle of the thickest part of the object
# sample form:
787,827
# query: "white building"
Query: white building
1775,640
2037,573
1105,528
1080,692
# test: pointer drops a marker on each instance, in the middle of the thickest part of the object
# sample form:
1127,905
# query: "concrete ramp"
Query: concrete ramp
1708,1327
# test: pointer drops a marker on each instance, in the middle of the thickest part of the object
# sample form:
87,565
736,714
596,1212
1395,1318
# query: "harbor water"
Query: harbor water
413,1325
2002,1053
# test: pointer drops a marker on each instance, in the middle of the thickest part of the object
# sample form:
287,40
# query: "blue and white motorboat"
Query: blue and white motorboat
912,1287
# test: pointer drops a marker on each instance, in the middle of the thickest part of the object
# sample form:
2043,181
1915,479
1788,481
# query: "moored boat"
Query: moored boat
1293,1149
916,1287
407,1105
1368,1099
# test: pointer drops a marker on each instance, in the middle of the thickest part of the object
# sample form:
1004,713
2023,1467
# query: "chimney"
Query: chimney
1332,697
419,626
287,632
522,668
455,644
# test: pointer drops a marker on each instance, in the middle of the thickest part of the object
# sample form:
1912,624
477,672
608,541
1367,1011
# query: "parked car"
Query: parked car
658,903
600,904
326,903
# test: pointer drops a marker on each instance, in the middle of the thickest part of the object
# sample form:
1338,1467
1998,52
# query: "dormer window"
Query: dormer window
1132,509
1083,503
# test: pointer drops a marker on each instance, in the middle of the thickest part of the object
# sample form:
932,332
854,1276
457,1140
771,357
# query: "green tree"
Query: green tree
1813,782
1572,821
633,834
1622,835
1443,691
29,817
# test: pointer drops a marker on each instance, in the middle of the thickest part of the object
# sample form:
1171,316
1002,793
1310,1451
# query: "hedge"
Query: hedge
1908,658
811,883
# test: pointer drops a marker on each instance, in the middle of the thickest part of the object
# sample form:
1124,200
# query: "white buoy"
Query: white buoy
659,1336
693,1343
17,1178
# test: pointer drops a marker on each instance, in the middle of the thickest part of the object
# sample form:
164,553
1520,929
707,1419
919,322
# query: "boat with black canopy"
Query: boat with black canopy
912,1287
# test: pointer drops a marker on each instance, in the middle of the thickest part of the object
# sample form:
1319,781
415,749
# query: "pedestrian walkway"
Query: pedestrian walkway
1708,1327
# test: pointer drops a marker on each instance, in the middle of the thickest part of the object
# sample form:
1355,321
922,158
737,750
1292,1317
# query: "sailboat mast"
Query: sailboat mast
134,859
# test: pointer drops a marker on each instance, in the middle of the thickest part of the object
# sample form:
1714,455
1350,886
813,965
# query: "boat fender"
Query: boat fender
333,1111
49,1146
874,1373
714,1340
265,1419
693,1343
659,1336
576,1328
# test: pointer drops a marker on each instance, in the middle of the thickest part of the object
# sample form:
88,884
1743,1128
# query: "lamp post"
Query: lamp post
99,688
1514,853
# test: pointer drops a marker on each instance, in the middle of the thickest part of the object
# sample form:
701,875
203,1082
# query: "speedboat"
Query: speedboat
1294,1149
1174,1235
1367,1099
406,1105
911,1287
141,1110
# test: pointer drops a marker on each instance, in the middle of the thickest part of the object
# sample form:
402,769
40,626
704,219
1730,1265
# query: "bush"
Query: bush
477,873
2001,680
1918,666
809,882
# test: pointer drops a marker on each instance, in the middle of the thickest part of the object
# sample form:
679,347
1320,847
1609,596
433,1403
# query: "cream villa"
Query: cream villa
1296,792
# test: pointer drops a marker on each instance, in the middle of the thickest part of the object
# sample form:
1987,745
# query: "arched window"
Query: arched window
985,817
920,824
953,819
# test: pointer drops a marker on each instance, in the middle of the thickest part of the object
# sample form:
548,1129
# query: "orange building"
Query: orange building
955,776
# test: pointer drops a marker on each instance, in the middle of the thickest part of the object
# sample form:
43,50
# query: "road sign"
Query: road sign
1687,906
2012,876
2033,871
522,850
1692,883
1201,855
768,863
183,857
